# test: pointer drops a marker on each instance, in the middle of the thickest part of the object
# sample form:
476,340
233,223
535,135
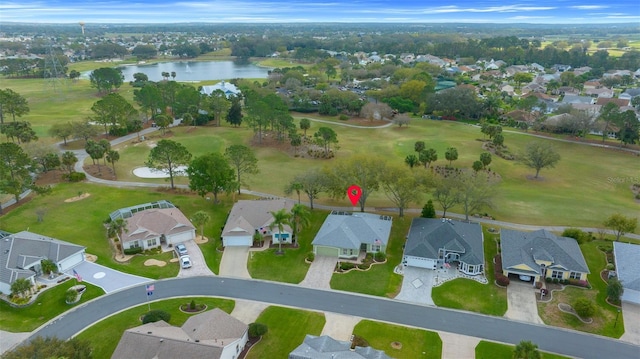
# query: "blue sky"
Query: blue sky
268,11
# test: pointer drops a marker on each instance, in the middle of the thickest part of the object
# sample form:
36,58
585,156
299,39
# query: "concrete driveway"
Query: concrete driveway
234,262
106,278
521,301
631,313
198,264
320,272
416,285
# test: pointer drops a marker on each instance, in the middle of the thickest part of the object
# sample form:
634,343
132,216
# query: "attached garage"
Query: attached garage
326,251
181,237
237,241
71,261
420,262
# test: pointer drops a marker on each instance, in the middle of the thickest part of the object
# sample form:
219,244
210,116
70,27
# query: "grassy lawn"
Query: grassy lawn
89,214
491,350
290,267
379,279
48,305
604,319
416,343
470,295
105,335
286,330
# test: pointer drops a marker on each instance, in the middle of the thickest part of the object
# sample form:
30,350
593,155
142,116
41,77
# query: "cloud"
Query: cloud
588,7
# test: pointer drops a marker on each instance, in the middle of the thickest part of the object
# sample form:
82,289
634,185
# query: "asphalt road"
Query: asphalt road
551,339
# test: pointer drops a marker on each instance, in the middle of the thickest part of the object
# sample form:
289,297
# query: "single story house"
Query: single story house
248,217
541,254
212,334
314,347
227,88
627,261
23,252
154,227
346,234
434,243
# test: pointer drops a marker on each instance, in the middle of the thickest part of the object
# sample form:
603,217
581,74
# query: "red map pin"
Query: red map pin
354,192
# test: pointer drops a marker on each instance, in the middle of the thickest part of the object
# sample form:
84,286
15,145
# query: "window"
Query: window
375,248
151,242
575,275
556,274
134,244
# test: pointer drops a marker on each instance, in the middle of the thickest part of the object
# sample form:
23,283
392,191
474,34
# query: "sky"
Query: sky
349,11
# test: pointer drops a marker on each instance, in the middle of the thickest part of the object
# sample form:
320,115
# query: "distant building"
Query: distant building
227,88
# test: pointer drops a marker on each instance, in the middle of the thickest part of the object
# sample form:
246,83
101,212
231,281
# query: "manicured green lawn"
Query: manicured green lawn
290,267
105,334
379,280
286,330
491,350
416,343
49,304
470,295
81,222
604,320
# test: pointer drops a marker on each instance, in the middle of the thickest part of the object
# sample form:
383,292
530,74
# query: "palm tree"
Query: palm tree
201,218
116,228
300,217
48,266
280,218
526,350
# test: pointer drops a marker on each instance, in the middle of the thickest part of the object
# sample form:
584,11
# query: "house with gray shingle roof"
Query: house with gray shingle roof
23,252
212,334
627,261
434,243
346,234
541,254
151,228
325,347
247,217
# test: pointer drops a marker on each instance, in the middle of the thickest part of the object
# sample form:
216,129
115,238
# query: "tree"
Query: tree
69,160
364,171
522,77
163,121
325,136
401,187
614,289
116,228
419,146
12,103
485,159
401,119
376,111
234,116
477,166
300,217
48,266
280,219
113,110
95,151
294,187
149,98
451,154
539,155
168,156
609,114
526,350
584,307
15,165
446,195
428,211
411,161
243,159
305,124
62,130
106,79
112,157
621,224
296,141
218,104
21,286
51,347
84,130
474,191
211,173
201,218
427,157
312,183
20,131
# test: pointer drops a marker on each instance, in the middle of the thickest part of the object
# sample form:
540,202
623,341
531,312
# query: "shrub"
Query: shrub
577,234
156,315
584,307
364,266
380,256
75,176
502,280
579,283
547,279
192,305
610,266
359,341
556,280
311,256
130,251
257,330
343,117
347,265
71,295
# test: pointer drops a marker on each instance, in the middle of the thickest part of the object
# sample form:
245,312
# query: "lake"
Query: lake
196,70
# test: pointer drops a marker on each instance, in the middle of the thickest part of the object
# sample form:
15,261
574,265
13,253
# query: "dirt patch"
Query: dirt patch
101,171
154,262
50,177
77,198
201,239
396,345
90,257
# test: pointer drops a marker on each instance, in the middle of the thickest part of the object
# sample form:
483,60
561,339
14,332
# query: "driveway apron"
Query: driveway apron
320,272
631,313
234,262
416,285
198,264
106,278
521,301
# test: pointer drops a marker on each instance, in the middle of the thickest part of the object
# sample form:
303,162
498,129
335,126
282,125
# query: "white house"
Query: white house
212,334
154,227
227,88
23,252
248,217
627,261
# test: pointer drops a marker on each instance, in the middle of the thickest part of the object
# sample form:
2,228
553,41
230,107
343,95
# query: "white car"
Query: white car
185,262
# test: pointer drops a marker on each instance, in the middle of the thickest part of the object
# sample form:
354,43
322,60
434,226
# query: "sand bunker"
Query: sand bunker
77,198
146,172
154,262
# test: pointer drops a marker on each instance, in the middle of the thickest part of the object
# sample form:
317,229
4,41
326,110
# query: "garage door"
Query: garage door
237,241
420,262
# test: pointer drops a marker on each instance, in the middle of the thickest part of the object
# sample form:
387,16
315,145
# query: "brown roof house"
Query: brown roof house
213,334
249,217
151,228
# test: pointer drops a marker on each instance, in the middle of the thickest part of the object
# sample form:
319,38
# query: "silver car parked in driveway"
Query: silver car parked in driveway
185,262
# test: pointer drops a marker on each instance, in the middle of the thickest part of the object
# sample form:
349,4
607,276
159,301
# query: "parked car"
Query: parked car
185,262
181,249
525,278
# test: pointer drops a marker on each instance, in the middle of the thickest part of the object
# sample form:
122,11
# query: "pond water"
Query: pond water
196,70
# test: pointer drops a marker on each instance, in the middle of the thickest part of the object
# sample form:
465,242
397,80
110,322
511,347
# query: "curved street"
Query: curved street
551,339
